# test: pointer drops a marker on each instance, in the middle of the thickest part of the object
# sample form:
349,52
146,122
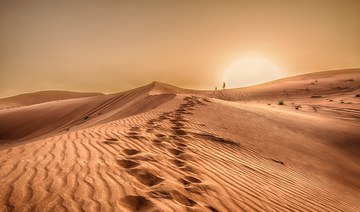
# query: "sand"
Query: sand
163,148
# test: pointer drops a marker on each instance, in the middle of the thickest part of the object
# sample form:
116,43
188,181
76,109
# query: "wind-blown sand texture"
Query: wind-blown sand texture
162,148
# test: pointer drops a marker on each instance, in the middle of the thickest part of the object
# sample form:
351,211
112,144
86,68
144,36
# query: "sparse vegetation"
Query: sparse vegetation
315,108
357,95
281,102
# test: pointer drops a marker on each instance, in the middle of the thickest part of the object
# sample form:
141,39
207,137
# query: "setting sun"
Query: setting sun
251,71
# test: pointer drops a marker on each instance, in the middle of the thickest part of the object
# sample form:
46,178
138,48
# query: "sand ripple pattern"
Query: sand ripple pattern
163,159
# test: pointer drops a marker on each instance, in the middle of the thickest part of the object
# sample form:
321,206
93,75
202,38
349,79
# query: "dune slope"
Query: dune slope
170,149
40,97
34,121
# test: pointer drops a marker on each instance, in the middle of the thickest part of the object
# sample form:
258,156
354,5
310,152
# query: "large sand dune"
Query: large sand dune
163,148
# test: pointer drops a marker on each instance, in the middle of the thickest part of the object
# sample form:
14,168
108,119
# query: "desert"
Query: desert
160,106
165,148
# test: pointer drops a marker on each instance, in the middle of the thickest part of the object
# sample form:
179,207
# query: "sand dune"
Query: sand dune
40,97
162,148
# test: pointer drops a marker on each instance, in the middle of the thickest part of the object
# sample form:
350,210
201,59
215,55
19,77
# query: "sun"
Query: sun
251,71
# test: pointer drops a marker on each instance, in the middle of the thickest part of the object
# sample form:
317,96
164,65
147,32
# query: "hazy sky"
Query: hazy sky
110,46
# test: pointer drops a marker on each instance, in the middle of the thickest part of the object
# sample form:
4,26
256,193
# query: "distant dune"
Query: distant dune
41,97
288,145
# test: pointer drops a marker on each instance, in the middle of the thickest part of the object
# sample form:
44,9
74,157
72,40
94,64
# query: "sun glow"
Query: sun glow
250,71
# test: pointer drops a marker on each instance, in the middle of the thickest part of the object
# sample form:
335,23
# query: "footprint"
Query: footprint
161,118
176,122
185,157
176,152
194,190
212,209
180,132
184,182
127,163
159,135
180,111
157,142
145,177
180,145
160,194
192,179
178,163
131,151
189,168
151,122
200,102
182,199
137,203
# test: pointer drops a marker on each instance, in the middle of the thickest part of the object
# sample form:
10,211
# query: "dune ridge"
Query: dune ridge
162,148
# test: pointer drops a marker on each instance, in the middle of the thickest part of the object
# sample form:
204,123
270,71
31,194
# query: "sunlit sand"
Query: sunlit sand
164,148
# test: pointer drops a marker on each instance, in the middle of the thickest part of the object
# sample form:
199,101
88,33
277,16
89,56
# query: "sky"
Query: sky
110,46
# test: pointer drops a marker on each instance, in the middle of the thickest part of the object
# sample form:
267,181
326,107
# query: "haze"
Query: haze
110,46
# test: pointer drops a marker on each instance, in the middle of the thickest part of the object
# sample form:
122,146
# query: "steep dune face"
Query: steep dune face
25,123
164,148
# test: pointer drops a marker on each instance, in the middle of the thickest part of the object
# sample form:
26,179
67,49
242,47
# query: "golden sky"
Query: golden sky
109,46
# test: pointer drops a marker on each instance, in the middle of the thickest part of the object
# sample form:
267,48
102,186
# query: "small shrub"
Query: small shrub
281,102
357,95
315,108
